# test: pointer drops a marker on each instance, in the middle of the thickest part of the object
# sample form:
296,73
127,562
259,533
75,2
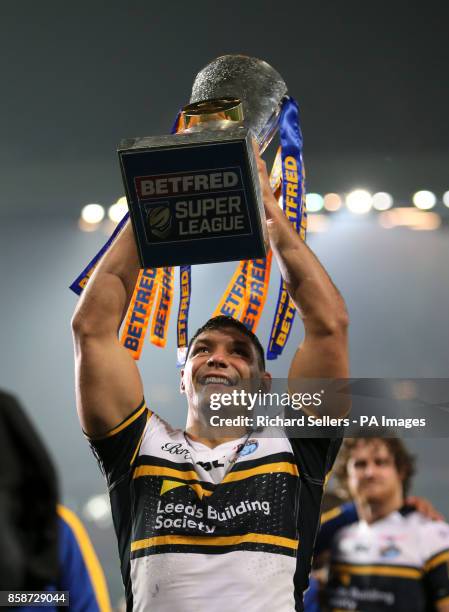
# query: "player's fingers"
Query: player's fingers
423,506
261,165
270,203
263,174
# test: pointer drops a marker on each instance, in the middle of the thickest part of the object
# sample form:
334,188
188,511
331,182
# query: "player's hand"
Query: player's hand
423,506
272,209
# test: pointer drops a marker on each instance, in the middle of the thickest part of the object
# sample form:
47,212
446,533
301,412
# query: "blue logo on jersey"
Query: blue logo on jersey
390,551
250,447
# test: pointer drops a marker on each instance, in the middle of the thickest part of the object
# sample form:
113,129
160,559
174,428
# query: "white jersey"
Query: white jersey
399,563
208,530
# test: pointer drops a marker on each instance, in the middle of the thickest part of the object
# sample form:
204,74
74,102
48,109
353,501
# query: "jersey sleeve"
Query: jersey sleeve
80,572
331,522
315,457
436,566
117,450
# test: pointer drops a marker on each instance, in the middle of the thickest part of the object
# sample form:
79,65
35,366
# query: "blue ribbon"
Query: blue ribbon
76,286
291,146
182,351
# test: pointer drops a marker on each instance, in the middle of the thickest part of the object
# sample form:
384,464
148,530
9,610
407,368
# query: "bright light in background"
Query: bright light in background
411,218
314,202
92,213
446,198
117,211
87,227
359,201
382,200
98,511
424,199
432,222
318,223
332,202
404,390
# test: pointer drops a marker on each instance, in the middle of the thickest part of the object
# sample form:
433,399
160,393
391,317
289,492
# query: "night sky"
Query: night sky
371,80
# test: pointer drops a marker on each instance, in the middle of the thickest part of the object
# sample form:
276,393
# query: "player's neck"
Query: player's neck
371,511
200,428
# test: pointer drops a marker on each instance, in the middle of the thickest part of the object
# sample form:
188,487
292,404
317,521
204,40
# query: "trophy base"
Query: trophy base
194,198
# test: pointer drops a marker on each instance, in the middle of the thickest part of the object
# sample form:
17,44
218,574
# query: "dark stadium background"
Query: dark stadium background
371,80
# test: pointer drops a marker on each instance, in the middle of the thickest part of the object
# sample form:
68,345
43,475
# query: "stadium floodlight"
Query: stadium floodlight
117,211
318,223
92,213
314,202
424,199
409,217
98,510
332,202
382,200
359,201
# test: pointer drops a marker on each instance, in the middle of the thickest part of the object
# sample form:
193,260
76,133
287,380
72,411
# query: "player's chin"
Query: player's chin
373,492
217,387
211,391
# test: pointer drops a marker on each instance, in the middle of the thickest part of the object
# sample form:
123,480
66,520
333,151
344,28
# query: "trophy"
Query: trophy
194,196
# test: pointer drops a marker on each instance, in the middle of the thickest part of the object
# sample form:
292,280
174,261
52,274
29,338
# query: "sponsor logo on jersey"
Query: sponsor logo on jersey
361,548
248,448
169,485
176,448
205,517
210,465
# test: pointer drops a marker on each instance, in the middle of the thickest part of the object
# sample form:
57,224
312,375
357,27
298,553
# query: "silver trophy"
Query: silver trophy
194,197
258,86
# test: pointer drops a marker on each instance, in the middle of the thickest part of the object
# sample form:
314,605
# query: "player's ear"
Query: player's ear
182,388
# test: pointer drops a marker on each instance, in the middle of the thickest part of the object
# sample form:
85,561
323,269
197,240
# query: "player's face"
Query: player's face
372,473
219,361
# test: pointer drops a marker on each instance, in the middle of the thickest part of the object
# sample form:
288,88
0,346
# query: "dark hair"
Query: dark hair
29,521
223,321
403,460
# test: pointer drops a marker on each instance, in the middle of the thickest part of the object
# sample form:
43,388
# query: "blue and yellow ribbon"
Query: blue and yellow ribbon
293,200
185,291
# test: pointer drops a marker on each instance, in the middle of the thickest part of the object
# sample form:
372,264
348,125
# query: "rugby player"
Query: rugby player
388,556
205,523
45,550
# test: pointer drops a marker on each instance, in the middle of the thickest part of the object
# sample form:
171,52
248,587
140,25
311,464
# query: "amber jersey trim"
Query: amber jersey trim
135,414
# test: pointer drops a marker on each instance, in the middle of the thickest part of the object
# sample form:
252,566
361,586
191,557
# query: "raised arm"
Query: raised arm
324,351
108,384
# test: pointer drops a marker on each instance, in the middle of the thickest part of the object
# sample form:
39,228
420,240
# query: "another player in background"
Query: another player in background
390,557
44,546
